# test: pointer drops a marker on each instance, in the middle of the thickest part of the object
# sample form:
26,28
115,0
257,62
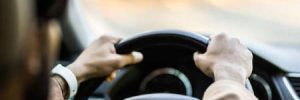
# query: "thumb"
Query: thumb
202,63
132,58
199,59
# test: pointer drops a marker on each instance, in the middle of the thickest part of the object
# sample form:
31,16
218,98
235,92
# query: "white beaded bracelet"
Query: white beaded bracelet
68,76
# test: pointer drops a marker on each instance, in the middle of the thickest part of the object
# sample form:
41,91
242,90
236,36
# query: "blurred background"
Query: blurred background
274,22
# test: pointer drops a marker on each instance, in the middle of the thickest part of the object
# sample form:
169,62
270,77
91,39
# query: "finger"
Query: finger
107,38
218,40
201,60
198,58
202,63
218,36
132,58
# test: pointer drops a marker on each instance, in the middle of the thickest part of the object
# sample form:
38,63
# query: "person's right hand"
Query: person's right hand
225,59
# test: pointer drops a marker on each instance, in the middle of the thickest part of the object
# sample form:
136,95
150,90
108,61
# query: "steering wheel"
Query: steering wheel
167,68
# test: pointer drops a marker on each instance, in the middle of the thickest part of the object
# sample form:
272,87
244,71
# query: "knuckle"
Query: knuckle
221,36
104,37
116,61
111,39
107,38
235,40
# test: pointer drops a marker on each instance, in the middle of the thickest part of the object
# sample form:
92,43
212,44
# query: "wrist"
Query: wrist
222,72
67,77
79,72
61,84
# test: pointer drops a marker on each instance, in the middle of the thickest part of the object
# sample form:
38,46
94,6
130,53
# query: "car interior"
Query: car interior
168,32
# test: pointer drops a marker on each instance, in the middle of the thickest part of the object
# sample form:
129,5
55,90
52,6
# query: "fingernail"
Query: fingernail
137,56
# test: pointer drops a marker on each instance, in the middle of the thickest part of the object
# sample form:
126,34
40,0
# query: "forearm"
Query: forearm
227,90
58,88
223,72
228,85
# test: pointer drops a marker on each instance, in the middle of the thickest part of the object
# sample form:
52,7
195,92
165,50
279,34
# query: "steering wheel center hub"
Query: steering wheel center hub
168,80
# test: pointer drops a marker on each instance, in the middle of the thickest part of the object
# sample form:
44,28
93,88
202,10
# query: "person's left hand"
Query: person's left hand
101,59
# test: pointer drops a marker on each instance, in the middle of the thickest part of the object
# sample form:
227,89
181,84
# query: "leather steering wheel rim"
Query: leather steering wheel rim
195,42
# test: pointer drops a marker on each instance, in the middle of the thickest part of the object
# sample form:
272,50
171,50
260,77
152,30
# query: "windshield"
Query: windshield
270,21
